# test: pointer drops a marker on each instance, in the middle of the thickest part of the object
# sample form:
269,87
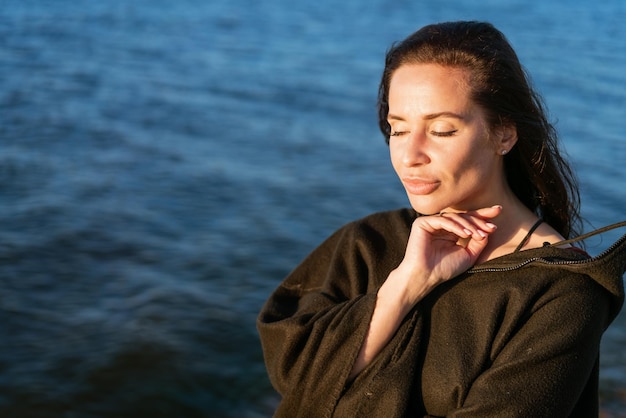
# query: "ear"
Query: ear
505,137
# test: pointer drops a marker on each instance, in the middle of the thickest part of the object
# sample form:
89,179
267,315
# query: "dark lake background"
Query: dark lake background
164,164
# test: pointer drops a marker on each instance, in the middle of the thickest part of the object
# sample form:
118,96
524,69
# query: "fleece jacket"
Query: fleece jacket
516,336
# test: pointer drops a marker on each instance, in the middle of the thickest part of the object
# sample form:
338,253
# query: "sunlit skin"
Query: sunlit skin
450,162
440,143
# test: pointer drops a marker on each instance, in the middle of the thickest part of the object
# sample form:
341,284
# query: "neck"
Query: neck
513,223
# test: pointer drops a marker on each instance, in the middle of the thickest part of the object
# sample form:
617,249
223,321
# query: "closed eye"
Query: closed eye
447,133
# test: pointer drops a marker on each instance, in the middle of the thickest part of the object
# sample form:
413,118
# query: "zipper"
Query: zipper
562,262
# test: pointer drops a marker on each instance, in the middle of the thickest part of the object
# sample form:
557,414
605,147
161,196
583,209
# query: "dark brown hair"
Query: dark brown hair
535,169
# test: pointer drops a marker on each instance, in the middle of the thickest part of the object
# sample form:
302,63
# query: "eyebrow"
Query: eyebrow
431,116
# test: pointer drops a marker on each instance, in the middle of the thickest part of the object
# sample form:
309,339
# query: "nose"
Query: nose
416,149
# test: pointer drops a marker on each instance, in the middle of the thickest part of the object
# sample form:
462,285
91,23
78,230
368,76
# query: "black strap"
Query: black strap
527,237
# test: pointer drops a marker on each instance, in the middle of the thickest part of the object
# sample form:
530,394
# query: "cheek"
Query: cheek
482,167
467,165
394,156
477,155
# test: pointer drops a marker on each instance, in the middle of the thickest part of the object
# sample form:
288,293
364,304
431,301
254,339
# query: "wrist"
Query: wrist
404,290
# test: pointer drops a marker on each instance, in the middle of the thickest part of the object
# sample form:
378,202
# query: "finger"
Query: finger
452,224
478,228
475,247
482,217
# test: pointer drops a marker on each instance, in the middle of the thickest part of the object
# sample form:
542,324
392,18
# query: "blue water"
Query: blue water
163,165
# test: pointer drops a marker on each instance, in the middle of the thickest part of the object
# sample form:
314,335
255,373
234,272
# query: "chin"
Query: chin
426,208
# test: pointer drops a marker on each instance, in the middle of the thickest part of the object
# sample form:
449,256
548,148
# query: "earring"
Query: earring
504,151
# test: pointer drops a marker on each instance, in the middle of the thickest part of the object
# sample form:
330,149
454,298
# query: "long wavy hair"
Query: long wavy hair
535,168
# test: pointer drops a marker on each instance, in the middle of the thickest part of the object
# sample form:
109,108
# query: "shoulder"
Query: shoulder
545,275
383,223
545,233
376,238
388,228
374,232
540,287
356,256
369,233
391,220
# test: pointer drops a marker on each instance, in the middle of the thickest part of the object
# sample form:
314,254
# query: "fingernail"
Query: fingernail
482,233
497,206
490,225
467,231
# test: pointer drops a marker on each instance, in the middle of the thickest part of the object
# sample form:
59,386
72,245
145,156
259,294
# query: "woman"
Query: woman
459,306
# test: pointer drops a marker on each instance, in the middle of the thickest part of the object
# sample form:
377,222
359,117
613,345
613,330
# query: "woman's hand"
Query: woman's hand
443,246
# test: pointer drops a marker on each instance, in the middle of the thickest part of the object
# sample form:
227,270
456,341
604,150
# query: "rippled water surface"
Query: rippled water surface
163,165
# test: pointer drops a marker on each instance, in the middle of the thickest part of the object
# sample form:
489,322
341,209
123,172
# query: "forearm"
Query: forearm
394,301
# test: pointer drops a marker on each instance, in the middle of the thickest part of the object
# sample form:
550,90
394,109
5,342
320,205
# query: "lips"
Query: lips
417,186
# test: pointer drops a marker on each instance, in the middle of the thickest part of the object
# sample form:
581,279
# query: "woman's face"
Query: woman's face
440,144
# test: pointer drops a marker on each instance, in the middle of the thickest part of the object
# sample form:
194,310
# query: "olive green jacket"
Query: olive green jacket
517,336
